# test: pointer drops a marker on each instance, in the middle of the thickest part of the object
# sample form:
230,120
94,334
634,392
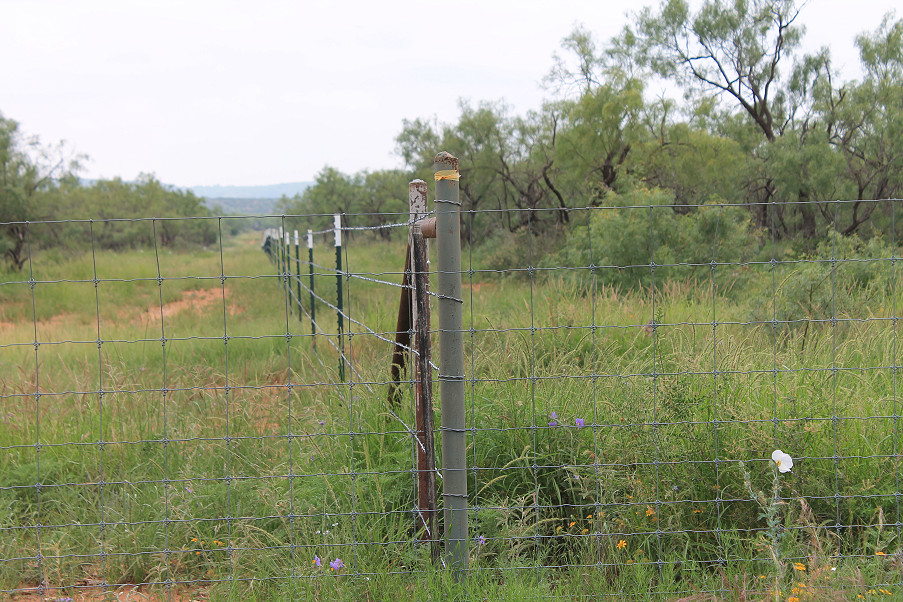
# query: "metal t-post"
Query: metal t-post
451,358
338,289
277,253
287,249
313,310
298,270
283,265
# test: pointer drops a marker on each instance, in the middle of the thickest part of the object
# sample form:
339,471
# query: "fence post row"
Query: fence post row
451,358
337,228
414,314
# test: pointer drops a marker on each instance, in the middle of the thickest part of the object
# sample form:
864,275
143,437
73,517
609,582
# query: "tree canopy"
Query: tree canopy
39,183
745,117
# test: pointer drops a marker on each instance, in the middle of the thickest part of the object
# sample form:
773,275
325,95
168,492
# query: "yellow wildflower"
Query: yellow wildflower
622,544
799,566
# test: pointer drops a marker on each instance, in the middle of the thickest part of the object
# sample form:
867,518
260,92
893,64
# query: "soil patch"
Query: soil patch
476,286
190,300
122,593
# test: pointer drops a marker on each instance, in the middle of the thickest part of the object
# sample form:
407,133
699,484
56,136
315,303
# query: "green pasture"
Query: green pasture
215,448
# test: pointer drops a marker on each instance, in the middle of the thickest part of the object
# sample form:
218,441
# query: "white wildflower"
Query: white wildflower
784,461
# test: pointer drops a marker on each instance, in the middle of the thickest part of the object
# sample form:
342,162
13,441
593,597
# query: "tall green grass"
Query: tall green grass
229,464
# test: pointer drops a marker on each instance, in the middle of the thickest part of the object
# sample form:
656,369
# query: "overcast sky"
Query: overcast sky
264,92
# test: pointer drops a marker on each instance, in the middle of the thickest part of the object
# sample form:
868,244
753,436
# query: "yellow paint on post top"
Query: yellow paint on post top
447,174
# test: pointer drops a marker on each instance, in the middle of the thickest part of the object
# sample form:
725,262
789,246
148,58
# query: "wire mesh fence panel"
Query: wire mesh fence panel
214,419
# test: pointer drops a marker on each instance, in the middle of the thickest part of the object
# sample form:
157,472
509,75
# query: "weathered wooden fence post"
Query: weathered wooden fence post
422,370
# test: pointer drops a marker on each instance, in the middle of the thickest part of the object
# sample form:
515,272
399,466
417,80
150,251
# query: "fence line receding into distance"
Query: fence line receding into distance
197,420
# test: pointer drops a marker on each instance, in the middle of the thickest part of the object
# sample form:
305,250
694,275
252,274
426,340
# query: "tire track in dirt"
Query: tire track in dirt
193,300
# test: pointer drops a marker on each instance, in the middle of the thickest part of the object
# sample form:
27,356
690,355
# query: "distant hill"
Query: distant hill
248,200
243,206
268,191
239,200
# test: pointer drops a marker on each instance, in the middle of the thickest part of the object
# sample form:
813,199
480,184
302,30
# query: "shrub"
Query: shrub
643,226
832,281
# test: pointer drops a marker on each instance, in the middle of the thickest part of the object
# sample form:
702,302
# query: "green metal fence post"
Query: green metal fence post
298,270
287,270
338,288
451,358
313,310
280,268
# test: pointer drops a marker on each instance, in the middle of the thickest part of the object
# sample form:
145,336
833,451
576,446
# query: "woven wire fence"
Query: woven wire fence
217,418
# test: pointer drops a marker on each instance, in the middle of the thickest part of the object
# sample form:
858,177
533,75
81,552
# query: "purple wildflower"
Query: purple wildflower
336,564
322,423
481,540
579,422
554,419
317,561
